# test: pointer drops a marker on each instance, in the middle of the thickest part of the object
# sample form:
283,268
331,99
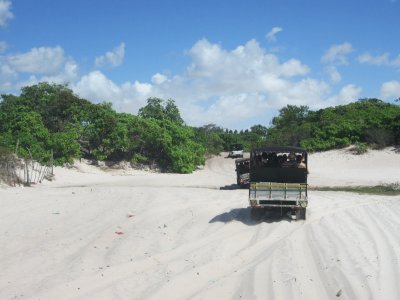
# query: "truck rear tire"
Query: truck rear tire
301,214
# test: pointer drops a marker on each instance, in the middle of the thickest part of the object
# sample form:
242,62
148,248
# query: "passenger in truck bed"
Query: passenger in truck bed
291,162
300,162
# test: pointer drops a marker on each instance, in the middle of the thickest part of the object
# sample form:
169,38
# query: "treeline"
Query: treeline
367,122
49,122
217,139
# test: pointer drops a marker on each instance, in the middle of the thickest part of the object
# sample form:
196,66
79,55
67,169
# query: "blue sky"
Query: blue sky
232,63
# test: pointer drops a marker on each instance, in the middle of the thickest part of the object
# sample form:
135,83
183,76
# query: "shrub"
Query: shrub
379,138
138,159
361,148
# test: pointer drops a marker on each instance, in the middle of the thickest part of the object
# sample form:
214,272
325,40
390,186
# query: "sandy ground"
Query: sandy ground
138,235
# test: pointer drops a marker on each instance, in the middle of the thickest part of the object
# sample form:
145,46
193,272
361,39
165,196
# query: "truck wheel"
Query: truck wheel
301,214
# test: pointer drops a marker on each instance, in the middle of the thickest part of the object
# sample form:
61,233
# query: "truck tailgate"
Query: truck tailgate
278,194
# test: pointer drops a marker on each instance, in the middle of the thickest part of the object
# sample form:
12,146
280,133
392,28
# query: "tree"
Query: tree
26,130
65,146
290,127
210,137
184,153
290,115
259,129
172,112
154,109
370,121
97,132
158,110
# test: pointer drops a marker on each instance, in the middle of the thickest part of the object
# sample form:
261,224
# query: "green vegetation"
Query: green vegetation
369,122
365,123
386,189
48,121
216,139
361,148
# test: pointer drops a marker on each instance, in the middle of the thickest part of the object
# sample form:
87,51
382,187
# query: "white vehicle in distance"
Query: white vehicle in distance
236,151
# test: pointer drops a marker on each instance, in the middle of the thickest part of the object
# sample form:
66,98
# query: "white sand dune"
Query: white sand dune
138,235
341,168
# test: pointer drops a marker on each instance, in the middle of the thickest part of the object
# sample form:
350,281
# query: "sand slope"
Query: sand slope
136,235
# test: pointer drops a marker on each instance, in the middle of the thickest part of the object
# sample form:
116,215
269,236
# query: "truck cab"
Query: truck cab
278,180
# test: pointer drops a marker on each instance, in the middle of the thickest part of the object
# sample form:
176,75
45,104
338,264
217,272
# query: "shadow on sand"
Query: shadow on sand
233,187
246,216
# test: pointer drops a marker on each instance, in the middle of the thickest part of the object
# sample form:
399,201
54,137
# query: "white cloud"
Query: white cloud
41,64
128,97
374,60
158,78
112,58
7,76
337,54
5,12
347,94
97,87
239,109
69,74
294,67
7,73
244,69
390,90
271,36
379,60
219,86
229,110
233,88
142,88
43,60
333,74
227,87
204,57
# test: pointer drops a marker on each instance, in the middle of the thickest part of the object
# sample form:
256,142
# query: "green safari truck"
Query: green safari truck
278,180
